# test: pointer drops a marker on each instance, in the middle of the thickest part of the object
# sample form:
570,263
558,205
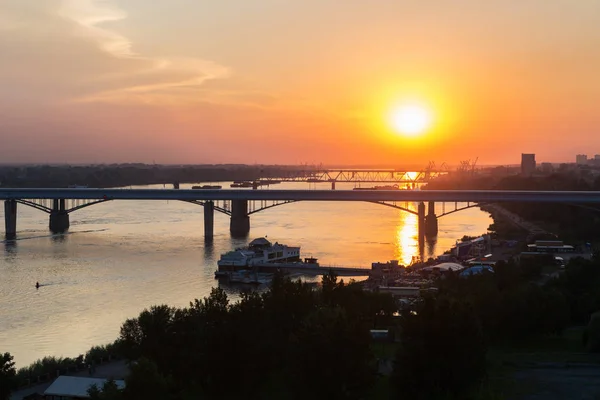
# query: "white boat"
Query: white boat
259,252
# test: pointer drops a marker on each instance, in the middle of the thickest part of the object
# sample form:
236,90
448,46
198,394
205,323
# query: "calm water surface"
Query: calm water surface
123,256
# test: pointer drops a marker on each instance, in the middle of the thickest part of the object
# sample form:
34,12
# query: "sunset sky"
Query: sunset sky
282,81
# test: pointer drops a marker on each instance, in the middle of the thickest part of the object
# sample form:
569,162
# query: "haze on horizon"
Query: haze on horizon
287,82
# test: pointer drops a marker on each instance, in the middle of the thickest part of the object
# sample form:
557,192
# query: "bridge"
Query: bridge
240,204
333,176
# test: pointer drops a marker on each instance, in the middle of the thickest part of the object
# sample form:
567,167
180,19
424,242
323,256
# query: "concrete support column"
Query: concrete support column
59,217
431,222
209,218
421,215
333,185
10,218
240,221
421,229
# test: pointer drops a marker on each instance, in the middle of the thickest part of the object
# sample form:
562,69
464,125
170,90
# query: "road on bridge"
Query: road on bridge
475,196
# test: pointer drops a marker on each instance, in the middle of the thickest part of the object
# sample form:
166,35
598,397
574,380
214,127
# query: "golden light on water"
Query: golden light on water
407,240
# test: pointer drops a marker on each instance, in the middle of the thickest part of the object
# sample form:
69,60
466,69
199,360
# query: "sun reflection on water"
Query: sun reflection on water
407,240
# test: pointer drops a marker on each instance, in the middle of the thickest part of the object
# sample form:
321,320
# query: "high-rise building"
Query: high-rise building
527,164
581,159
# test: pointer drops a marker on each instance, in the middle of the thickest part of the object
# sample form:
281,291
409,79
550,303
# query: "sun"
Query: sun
411,120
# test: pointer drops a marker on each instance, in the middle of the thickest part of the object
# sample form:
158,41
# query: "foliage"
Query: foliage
47,367
332,351
593,334
146,382
579,284
508,307
96,354
265,342
442,351
8,381
109,391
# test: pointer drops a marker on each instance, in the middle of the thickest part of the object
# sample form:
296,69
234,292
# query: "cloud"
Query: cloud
166,80
60,52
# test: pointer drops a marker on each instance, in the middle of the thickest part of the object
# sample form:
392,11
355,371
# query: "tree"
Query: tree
146,382
109,391
334,353
442,351
8,374
148,335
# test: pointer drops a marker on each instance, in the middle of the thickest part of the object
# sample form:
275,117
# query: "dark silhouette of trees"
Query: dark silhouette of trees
108,391
579,284
118,175
442,351
8,374
332,351
268,344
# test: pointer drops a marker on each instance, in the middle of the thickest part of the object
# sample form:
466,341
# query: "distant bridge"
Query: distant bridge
240,204
358,176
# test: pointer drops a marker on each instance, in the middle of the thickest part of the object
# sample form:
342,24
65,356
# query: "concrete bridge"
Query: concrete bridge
240,204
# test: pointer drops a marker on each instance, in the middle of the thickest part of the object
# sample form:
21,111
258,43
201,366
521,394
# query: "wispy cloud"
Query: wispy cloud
165,80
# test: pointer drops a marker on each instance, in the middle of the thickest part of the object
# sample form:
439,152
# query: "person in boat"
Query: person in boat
37,285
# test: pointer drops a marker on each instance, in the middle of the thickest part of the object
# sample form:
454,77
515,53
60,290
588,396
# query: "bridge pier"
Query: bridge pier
59,217
239,225
10,218
431,222
421,220
209,219
333,185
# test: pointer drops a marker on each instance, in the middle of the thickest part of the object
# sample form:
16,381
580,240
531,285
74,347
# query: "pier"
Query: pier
316,270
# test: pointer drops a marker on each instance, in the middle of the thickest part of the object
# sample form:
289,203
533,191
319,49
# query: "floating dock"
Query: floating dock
315,269
299,268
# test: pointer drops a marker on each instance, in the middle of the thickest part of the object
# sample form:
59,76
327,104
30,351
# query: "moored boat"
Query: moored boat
261,256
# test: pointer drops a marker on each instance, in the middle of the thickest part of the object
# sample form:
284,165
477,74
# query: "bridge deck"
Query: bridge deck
307,195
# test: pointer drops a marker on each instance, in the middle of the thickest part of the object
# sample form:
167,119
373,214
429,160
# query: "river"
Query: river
123,256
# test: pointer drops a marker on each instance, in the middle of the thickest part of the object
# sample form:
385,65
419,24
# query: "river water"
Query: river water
123,256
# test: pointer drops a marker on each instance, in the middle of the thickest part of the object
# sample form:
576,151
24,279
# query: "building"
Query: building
547,167
550,246
527,164
581,159
74,387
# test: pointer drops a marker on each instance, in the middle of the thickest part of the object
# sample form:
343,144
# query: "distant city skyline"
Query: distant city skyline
385,82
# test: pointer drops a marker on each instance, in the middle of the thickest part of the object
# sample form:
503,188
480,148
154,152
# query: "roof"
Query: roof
476,270
260,242
76,386
447,266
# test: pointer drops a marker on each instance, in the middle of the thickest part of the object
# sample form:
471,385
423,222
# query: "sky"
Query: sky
304,81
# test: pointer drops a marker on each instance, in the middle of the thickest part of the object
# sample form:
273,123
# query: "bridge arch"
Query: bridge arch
281,203
35,205
469,205
223,210
41,206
